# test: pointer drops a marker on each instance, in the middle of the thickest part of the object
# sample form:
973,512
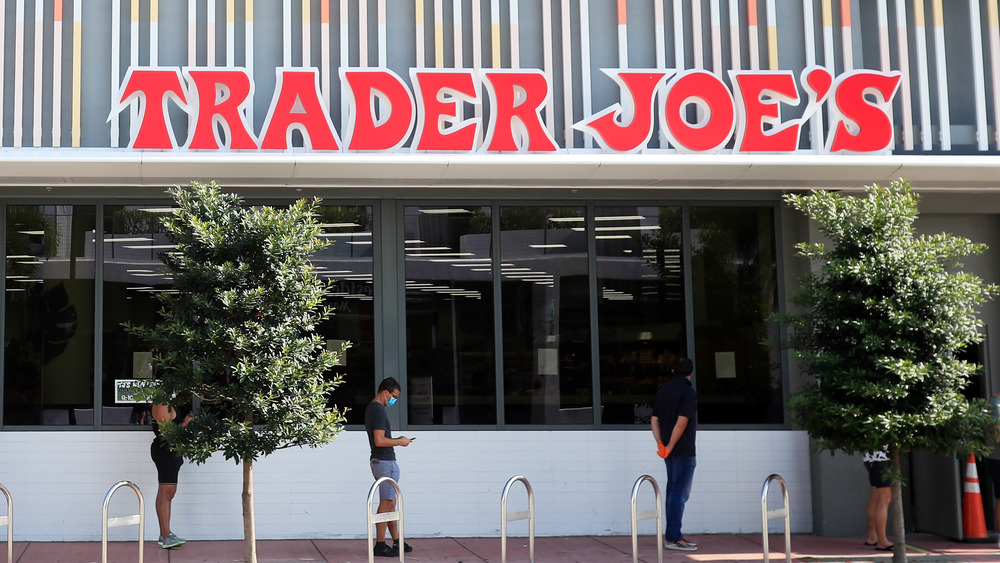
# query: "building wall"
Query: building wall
451,482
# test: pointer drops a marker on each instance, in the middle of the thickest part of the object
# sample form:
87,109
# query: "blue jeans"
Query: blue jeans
680,474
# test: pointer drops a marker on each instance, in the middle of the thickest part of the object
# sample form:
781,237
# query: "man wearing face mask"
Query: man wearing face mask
383,462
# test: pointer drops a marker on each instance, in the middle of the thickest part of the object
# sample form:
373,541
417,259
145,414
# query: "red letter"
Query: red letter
297,104
707,91
516,100
221,97
761,92
863,125
153,86
395,121
640,87
441,94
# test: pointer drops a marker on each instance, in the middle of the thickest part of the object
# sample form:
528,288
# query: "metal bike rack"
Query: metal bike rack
9,522
637,516
396,515
782,512
522,515
122,520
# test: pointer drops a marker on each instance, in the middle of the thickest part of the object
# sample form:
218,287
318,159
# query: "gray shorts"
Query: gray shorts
385,468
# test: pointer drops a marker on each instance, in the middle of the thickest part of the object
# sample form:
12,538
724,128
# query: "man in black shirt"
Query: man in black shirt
675,412
383,462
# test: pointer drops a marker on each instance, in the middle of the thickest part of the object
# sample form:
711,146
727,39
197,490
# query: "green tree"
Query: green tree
881,320
237,333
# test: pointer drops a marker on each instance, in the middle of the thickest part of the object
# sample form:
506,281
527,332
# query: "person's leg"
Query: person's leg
164,495
393,472
883,496
387,502
680,476
667,495
385,505
871,538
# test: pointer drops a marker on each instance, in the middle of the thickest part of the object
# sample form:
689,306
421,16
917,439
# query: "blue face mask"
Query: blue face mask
392,401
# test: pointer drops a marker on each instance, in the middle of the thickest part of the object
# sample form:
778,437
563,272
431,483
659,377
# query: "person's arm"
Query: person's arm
163,412
654,422
675,434
382,442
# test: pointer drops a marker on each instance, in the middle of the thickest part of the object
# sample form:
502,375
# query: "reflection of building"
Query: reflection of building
529,303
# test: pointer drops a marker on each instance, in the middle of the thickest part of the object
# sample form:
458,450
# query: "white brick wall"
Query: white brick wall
451,481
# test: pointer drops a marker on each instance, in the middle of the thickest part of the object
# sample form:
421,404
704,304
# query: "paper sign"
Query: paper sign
725,365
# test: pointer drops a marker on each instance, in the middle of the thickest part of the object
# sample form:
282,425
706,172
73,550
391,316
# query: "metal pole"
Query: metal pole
636,516
782,512
9,522
524,514
396,515
122,520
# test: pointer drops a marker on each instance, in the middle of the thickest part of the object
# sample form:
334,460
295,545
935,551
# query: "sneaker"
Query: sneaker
383,550
171,541
680,545
407,548
689,542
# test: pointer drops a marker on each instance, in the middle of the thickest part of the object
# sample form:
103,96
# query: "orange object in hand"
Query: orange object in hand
662,450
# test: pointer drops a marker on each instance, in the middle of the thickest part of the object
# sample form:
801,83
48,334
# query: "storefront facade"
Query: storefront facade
533,208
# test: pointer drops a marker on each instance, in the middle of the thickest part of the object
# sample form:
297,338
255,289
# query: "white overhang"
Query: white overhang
51,167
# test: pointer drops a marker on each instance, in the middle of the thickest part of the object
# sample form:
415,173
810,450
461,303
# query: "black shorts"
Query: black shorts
993,467
168,464
876,473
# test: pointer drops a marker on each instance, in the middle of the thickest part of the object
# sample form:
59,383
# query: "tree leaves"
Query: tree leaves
238,334
882,319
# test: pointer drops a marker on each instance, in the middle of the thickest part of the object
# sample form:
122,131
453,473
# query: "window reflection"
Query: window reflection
451,378
546,316
734,279
134,275
49,348
640,306
348,264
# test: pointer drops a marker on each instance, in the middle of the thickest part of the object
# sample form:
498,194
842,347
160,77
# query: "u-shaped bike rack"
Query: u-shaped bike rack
122,520
522,515
637,516
394,516
8,521
782,512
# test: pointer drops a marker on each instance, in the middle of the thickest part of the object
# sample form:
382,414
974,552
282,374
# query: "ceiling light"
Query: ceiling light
444,211
338,225
442,254
620,218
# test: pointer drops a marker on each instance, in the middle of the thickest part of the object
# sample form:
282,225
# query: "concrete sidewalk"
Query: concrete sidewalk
581,549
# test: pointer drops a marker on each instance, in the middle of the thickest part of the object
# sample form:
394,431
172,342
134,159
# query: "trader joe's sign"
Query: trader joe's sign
385,113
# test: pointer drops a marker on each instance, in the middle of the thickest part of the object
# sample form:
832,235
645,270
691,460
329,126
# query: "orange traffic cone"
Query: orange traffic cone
973,520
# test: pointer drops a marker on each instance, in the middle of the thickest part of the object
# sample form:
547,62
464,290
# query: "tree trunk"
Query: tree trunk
249,530
896,511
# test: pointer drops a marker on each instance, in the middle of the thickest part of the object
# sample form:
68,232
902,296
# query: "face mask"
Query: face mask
392,401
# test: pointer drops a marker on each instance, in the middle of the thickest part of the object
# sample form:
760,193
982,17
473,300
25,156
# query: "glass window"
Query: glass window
734,290
348,264
450,357
640,308
546,316
49,371
134,275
